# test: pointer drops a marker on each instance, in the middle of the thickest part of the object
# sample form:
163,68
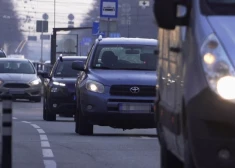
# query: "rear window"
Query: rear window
64,69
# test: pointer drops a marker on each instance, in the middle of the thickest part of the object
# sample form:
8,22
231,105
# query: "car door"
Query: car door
167,74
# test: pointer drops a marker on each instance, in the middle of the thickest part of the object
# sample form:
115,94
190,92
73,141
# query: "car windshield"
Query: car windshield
18,67
127,57
64,69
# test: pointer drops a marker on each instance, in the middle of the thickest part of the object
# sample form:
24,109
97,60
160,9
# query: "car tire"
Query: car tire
84,127
44,110
48,114
76,122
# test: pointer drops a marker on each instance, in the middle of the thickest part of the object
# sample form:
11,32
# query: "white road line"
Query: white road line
35,126
41,131
14,118
43,138
47,153
26,122
49,163
45,144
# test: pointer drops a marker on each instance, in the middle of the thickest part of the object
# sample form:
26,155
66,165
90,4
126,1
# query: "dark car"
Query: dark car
59,88
2,54
117,85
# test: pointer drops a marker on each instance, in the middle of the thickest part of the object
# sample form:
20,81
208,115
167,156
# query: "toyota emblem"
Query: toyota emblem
135,89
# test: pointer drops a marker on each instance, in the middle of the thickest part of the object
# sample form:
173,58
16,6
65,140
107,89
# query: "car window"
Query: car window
19,67
140,57
64,69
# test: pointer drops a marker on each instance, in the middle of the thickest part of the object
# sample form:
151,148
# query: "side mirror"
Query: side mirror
44,74
168,13
78,65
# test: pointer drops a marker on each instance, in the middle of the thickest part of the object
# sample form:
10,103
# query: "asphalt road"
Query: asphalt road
40,144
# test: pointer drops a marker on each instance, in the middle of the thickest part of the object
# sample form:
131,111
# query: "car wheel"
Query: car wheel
84,127
48,114
76,121
44,110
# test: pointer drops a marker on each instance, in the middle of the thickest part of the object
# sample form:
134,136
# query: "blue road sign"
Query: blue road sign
109,8
95,28
114,35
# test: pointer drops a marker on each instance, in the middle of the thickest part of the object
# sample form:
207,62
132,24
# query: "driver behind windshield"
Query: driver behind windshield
126,58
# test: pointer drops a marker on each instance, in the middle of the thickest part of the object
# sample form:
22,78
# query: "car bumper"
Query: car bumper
19,93
62,104
211,129
103,109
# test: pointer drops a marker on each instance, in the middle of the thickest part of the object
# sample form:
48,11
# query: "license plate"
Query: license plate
135,107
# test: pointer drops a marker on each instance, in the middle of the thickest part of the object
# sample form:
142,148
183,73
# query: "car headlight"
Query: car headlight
94,86
35,82
218,69
59,84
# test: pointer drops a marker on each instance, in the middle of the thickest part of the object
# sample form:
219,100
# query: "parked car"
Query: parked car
117,85
196,93
59,88
19,77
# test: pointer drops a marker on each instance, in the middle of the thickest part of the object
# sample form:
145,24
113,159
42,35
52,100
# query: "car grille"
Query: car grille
16,85
125,90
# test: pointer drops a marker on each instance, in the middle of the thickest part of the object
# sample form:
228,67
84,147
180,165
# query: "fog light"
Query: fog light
89,107
54,105
224,154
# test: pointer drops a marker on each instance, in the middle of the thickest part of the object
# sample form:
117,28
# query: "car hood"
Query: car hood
224,27
18,78
124,77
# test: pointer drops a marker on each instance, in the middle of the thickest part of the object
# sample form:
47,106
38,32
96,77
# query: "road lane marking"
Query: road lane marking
47,153
35,126
41,131
14,118
49,163
26,122
45,144
43,138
